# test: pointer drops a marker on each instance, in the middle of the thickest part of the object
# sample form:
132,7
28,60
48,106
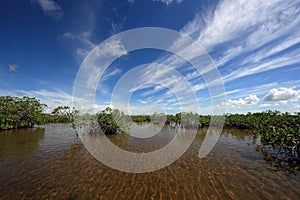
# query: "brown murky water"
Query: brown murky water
52,163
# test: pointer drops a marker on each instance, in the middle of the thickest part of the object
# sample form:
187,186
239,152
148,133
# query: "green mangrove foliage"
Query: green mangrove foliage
18,112
62,114
276,128
141,118
280,131
158,118
187,120
112,121
25,112
280,134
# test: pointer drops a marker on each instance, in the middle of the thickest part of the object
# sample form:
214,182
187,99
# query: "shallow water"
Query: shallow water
52,163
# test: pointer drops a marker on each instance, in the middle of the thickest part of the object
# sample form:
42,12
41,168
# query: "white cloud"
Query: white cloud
281,94
103,85
170,1
13,67
82,53
157,83
51,98
111,48
111,74
94,68
259,90
273,49
163,1
279,62
250,40
250,100
56,98
297,106
143,102
100,56
89,95
265,105
238,19
283,102
50,8
84,41
69,35
280,103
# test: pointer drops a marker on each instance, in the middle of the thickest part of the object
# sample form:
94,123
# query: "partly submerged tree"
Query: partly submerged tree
112,121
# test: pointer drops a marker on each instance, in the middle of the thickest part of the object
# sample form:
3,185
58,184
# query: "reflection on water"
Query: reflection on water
16,145
52,163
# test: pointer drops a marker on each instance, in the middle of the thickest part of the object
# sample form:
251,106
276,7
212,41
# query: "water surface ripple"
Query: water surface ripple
51,163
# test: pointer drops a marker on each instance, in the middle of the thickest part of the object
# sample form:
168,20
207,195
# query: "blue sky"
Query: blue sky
254,44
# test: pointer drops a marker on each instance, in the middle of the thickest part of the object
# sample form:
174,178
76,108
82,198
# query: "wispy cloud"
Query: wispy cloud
94,68
234,25
51,98
265,105
117,26
245,43
86,45
297,107
13,67
69,35
170,1
56,98
143,102
237,21
83,40
103,85
101,56
285,60
281,103
167,2
50,8
111,74
244,39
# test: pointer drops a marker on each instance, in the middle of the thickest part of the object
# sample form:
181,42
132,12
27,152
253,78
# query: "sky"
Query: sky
254,45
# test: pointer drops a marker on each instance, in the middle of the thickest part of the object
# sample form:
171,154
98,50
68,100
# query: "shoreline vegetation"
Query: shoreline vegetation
279,131
26,112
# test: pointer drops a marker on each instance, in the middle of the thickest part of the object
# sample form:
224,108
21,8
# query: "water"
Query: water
51,163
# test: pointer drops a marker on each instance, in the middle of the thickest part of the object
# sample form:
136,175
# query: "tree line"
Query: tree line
25,112
276,128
